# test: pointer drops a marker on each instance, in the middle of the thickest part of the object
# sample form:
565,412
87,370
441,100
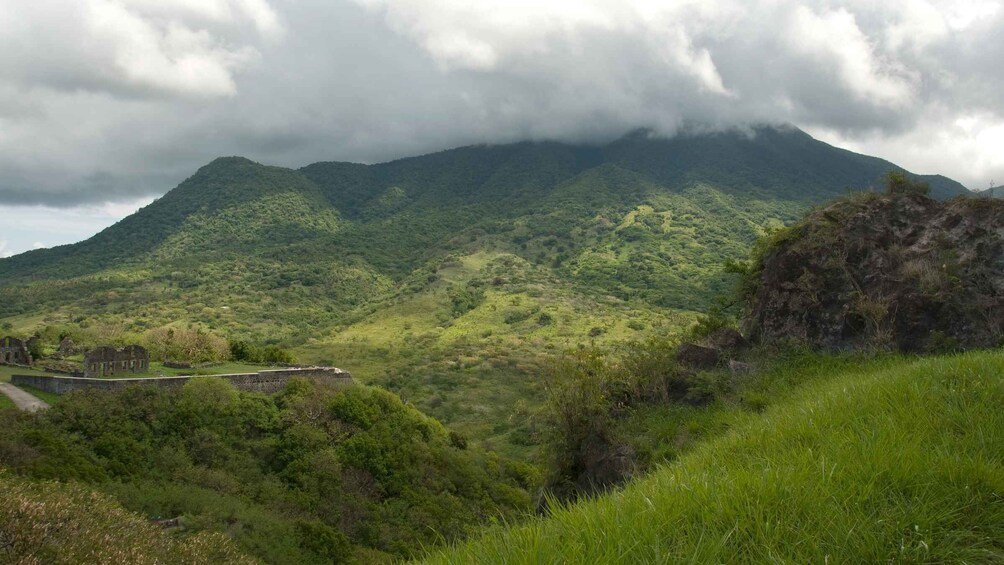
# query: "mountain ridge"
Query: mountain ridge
640,218
583,157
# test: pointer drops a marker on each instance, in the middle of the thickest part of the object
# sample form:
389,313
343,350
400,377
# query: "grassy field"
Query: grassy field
893,460
6,371
158,369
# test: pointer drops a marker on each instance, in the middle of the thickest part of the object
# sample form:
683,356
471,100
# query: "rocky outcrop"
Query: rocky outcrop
899,270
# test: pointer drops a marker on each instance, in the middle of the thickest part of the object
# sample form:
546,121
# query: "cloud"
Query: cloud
27,227
131,48
112,100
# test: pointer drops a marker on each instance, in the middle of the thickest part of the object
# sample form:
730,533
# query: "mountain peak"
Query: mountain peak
233,160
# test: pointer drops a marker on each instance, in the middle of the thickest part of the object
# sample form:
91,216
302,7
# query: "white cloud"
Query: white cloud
132,47
832,39
111,100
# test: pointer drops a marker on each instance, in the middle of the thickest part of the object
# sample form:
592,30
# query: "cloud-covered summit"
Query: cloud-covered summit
109,100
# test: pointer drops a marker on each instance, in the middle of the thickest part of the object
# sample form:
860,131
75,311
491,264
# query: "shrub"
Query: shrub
50,522
186,344
577,414
896,182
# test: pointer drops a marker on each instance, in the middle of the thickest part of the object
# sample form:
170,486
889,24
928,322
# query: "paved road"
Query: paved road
22,399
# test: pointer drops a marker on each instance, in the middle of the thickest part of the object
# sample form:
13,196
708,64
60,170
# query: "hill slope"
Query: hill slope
892,461
672,209
446,277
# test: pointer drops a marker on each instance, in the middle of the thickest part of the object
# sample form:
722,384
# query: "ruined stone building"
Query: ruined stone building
66,347
107,361
13,351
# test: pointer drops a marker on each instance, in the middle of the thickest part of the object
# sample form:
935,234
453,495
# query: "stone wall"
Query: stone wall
263,381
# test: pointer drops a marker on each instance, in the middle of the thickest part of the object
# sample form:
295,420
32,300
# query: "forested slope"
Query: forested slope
641,218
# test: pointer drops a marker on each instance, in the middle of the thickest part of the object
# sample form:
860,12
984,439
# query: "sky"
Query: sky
107,104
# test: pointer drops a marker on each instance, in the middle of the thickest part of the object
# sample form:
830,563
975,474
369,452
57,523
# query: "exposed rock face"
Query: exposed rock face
899,270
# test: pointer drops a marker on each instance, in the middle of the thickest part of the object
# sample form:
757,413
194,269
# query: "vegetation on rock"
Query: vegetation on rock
899,270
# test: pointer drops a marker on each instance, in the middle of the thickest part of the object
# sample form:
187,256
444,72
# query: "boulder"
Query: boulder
726,339
697,356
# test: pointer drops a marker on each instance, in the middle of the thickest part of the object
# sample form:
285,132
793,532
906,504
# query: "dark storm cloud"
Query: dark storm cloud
116,99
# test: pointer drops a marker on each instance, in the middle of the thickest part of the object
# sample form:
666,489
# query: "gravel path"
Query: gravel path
22,399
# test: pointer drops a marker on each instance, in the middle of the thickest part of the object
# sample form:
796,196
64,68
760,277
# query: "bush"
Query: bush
578,414
311,475
896,182
192,345
243,351
50,522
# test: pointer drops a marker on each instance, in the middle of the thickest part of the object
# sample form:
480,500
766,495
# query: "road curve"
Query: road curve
23,400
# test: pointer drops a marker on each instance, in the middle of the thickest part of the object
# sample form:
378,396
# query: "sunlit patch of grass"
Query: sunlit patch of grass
7,370
894,460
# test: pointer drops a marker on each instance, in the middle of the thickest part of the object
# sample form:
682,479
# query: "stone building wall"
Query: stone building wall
108,361
13,351
264,381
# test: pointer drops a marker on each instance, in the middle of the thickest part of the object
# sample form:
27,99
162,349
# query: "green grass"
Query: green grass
6,371
48,397
158,369
896,460
5,402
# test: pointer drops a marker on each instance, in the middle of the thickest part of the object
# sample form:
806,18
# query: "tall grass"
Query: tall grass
894,463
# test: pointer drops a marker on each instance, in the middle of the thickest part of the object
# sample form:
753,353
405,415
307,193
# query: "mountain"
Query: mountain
641,218
474,262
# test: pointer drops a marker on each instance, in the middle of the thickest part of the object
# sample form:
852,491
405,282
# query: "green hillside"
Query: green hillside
640,219
894,460
449,278
50,522
312,474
